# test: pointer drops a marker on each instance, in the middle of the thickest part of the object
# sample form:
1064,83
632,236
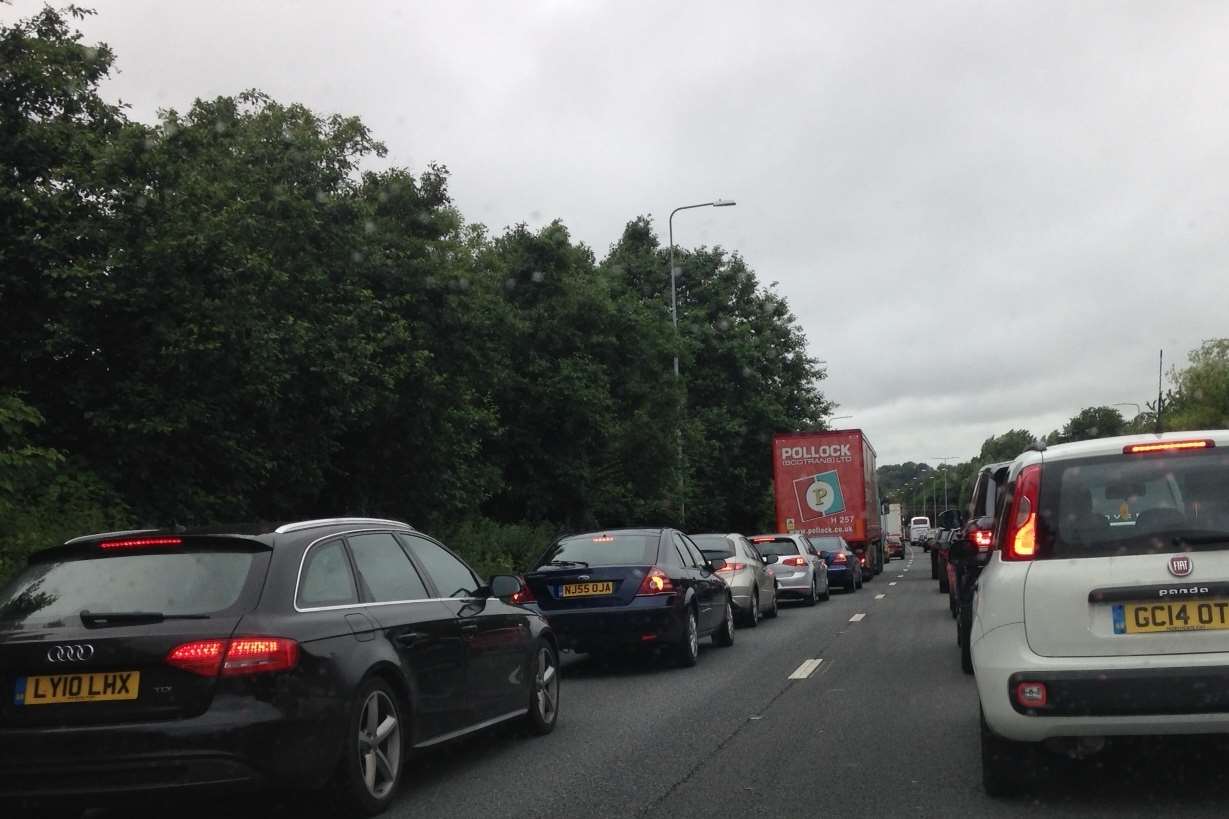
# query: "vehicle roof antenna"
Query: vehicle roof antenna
1160,400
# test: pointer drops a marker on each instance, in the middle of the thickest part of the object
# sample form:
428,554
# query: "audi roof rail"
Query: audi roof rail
120,533
298,526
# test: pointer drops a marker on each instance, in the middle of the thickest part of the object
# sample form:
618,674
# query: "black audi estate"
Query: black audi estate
318,653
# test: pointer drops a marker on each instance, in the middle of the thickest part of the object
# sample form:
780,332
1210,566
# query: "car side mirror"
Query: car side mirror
715,565
770,559
504,585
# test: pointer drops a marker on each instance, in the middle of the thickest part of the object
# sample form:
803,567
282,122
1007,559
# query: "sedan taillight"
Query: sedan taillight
732,567
794,561
655,582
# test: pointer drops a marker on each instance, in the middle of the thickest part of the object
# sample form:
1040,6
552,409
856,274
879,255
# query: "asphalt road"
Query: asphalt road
886,725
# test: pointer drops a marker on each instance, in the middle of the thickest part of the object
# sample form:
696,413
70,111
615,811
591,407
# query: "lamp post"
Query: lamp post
674,319
944,459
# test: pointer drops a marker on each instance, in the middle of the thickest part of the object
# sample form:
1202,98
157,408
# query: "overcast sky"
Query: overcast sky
985,215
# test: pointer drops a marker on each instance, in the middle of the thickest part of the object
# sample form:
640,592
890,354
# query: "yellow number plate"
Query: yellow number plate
588,589
95,687
1206,614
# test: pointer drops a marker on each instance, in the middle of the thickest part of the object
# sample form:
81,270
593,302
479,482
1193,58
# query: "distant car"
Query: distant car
1104,610
894,545
801,573
844,568
316,653
632,588
971,549
919,529
751,580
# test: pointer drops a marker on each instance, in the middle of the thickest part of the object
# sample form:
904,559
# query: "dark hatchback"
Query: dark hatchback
311,654
632,588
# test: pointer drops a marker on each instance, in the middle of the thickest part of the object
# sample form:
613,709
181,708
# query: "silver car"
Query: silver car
746,572
800,571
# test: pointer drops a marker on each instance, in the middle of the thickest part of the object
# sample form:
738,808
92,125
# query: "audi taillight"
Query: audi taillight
732,567
1020,542
203,657
655,582
794,561
983,539
236,657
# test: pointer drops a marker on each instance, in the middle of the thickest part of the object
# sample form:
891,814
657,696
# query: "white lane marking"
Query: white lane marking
892,583
880,596
857,618
806,669
899,576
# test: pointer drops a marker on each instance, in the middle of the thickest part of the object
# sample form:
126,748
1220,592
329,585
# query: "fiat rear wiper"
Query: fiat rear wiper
93,619
580,563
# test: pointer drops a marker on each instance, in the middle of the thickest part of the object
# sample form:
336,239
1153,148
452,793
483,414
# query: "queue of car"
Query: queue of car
1090,586
322,653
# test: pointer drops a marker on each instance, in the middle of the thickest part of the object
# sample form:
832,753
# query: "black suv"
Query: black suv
311,654
970,549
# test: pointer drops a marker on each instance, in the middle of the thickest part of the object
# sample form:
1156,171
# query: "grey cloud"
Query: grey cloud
985,214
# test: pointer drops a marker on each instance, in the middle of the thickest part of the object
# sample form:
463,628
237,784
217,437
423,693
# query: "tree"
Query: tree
1090,423
1200,399
1005,447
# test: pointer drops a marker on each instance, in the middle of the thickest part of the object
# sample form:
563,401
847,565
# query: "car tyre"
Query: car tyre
775,609
813,595
1008,768
754,615
369,773
724,635
688,651
544,691
827,595
851,586
943,584
964,633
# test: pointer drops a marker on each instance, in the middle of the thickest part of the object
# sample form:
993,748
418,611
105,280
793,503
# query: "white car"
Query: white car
1104,610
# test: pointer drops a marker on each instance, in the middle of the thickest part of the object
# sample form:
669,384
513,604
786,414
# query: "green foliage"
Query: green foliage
1090,423
499,548
228,315
1200,399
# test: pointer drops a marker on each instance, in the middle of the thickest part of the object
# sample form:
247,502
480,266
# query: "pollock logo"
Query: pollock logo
819,495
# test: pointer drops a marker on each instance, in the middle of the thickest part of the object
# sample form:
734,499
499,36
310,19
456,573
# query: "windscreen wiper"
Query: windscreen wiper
94,619
580,563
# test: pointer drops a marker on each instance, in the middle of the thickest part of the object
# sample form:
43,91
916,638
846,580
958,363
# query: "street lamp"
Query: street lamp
674,319
944,459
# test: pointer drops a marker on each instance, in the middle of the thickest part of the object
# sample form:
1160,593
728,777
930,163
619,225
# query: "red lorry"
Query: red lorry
824,483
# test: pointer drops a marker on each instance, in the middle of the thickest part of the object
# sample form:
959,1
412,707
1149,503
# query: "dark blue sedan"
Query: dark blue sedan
844,568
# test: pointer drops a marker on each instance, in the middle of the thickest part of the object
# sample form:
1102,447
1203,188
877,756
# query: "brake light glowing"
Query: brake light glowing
763,539
237,657
1166,446
1021,540
255,655
1031,694
524,595
603,539
203,657
140,542
732,567
655,582
839,557
794,561
983,539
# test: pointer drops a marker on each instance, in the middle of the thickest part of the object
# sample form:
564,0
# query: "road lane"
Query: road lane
886,706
